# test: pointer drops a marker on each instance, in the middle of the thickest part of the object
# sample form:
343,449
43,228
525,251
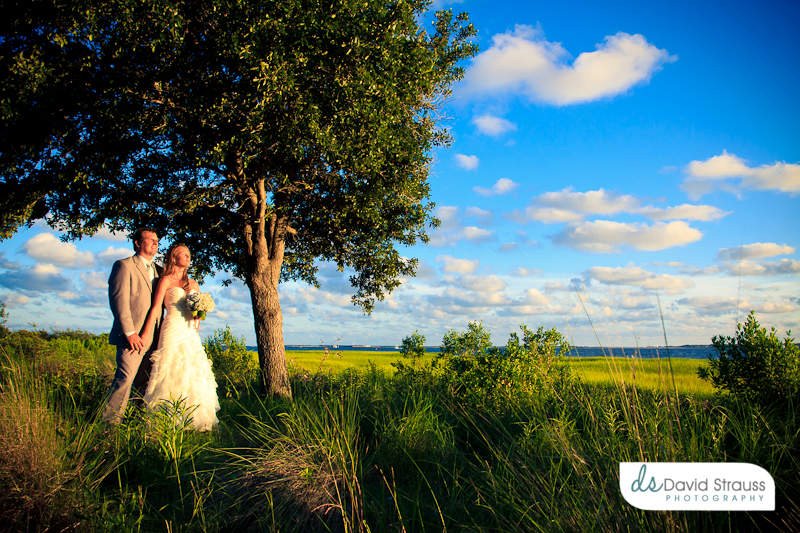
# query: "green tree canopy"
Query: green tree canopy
268,135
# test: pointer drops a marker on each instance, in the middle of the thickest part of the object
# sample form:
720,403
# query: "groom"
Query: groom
130,291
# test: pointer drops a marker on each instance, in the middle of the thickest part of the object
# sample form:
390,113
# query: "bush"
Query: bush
755,364
478,371
235,367
413,347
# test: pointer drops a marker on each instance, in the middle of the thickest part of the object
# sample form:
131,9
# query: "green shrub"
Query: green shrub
476,370
235,367
755,364
413,347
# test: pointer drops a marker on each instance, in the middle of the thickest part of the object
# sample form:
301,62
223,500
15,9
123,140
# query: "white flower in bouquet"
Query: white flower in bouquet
200,303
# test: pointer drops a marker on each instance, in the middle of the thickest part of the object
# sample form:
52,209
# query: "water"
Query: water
649,352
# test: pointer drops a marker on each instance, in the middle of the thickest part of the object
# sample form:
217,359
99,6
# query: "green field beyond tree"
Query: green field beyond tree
652,374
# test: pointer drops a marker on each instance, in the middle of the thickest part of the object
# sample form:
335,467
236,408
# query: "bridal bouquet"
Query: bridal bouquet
200,303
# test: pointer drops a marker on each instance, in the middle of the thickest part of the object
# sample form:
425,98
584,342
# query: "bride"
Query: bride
181,369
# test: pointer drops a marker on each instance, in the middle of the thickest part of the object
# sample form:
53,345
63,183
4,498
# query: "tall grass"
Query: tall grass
47,465
372,451
304,465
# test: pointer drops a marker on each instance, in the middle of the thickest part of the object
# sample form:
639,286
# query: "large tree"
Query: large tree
267,134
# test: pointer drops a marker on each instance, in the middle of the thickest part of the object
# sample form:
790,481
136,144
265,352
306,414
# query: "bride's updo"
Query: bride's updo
169,263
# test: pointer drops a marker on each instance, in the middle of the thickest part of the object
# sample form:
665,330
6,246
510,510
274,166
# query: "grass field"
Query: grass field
651,374
367,447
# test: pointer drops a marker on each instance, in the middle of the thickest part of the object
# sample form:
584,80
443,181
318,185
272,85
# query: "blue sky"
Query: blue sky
620,160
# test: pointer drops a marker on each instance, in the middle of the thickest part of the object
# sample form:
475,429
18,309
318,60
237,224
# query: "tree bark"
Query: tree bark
265,235
268,318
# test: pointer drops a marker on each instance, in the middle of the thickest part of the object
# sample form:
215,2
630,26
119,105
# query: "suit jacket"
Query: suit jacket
130,294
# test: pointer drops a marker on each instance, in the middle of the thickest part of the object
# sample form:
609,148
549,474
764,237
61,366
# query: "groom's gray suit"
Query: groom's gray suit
130,292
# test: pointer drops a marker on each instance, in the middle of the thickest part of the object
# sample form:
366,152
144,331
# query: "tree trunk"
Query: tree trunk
268,319
265,235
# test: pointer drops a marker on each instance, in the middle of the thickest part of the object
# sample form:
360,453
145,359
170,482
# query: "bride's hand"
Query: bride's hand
147,340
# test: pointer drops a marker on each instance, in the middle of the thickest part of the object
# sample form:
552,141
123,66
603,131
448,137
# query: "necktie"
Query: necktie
151,271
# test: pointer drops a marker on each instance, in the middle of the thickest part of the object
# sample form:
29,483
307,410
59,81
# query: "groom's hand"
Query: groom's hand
135,342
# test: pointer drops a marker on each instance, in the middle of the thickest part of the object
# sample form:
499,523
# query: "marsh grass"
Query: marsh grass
370,450
652,374
645,373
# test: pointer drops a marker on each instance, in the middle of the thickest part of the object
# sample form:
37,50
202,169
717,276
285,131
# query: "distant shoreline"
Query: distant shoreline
691,351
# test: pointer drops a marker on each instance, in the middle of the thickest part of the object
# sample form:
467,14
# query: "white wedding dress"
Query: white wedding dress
181,369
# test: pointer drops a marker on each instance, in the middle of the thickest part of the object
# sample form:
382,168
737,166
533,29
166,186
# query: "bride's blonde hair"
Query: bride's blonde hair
169,263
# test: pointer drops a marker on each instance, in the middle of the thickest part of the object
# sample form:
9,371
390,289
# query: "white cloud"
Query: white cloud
751,268
16,299
523,61
451,232
567,205
501,186
775,307
108,235
111,254
635,301
456,301
457,266
447,214
713,305
535,297
638,277
303,296
754,250
732,172
95,280
721,166
784,266
46,269
597,202
40,278
684,212
46,247
446,233
524,272
605,236
557,286
477,212
552,215
474,233
493,126
467,162
483,284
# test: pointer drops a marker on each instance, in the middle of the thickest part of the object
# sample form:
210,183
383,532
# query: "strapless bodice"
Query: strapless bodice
176,304
174,296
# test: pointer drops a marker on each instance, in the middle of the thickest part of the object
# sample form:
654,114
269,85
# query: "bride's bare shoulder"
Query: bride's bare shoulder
193,286
165,283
